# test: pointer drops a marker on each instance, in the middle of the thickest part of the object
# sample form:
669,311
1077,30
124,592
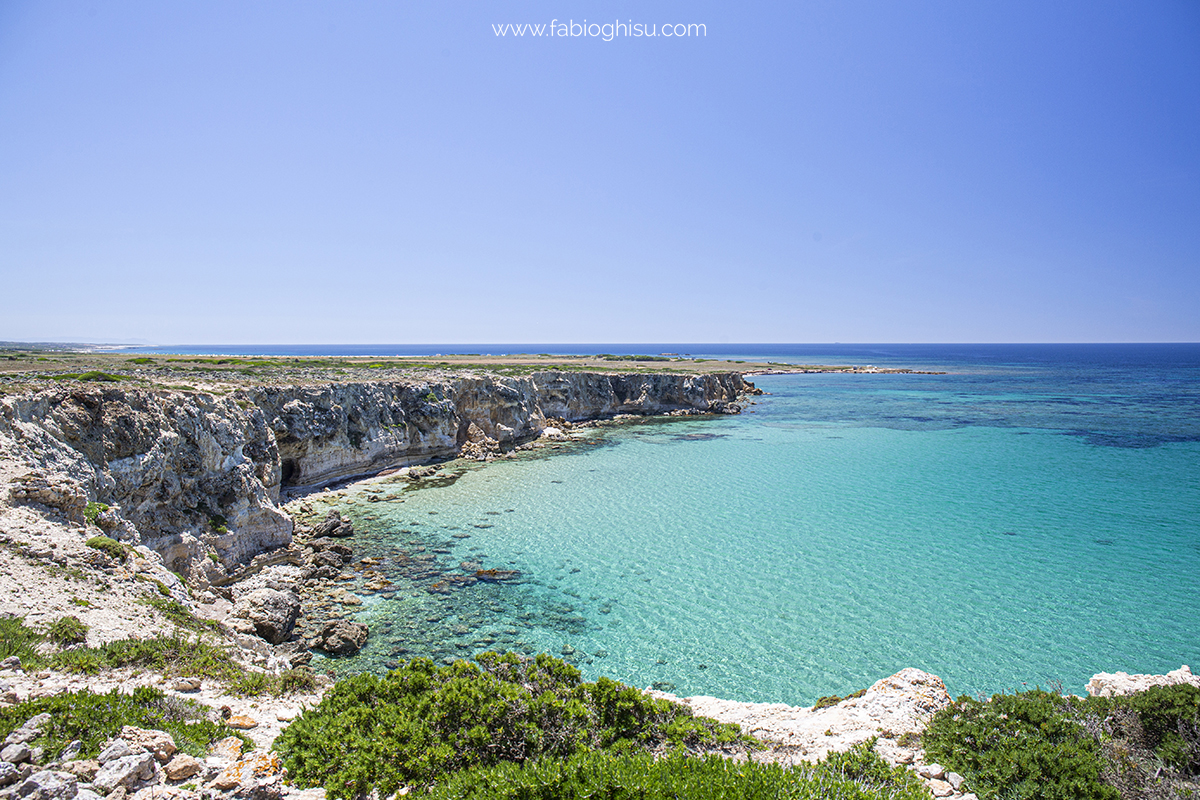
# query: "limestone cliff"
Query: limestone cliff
197,477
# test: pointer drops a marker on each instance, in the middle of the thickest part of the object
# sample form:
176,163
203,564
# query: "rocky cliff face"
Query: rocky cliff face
197,477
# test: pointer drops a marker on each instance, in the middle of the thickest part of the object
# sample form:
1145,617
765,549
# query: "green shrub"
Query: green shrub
93,510
857,775
115,550
20,641
421,722
67,630
1170,718
833,699
94,375
94,718
177,612
1019,746
296,680
1041,745
250,684
170,655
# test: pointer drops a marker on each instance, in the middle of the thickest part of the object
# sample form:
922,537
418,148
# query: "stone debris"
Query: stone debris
334,525
241,722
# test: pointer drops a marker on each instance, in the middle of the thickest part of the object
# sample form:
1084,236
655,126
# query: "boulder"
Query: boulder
84,769
71,751
228,748
127,771
182,767
342,637
16,753
334,525
55,491
8,773
268,613
29,731
117,748
258,776
48,785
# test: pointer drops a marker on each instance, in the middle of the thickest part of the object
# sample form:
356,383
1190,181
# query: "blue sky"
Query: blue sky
296,172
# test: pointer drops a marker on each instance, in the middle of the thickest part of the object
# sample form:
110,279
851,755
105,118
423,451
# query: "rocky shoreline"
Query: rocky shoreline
146,764
135,511
192,482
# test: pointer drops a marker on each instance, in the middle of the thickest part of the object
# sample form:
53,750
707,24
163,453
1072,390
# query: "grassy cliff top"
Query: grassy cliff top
25,367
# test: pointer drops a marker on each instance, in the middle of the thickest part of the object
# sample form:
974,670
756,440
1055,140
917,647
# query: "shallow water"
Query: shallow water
1020,521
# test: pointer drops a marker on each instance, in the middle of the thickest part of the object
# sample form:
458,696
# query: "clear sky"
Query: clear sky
198,171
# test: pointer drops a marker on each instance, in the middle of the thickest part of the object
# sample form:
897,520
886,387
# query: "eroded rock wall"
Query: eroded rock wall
197,477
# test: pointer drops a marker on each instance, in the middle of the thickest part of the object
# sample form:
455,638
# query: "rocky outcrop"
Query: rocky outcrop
1108,684
341,637
901,704
197,478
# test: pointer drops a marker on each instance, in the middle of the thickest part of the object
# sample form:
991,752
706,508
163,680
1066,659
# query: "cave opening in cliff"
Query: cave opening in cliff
288,471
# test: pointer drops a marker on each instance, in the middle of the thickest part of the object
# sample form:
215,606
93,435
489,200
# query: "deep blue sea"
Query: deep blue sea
1029,518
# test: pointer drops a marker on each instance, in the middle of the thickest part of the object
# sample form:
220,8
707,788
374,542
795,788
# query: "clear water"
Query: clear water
1029,518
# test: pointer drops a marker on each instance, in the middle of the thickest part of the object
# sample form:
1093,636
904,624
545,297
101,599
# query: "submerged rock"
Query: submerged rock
334,525
342,637
497,575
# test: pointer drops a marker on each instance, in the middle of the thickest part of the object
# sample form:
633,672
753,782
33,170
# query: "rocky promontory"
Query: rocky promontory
186,486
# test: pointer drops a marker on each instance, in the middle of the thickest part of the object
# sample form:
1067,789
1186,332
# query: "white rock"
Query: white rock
127,771
902,703
1108,684
48,785
933,771
15,753
117,748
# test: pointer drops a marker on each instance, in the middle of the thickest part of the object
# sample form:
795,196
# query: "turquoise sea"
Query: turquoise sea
1030,517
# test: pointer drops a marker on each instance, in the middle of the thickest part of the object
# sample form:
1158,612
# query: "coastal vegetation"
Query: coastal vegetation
421,723
92,719
117,551
1047,746
174,655
858,774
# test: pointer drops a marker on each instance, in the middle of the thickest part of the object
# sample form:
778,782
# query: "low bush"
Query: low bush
1019,746
177,612
421,722
18,640
603,775
94,718
67,630
170,655
833,699
1041,745
1170,718
93,510
118,551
